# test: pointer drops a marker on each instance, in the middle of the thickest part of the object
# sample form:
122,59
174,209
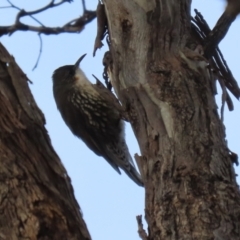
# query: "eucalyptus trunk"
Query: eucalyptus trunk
164,82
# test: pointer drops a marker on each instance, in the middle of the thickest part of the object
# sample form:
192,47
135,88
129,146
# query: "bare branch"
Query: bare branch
84,5
5,7
73,26
40,52
221,28
18,16
50,5
142,233
216,60
78,25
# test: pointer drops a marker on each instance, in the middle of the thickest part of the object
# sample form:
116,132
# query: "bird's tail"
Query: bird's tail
134,175
118,154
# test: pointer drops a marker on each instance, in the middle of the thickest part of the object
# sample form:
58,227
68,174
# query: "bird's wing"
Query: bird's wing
98,149
107,94
118,152
91,132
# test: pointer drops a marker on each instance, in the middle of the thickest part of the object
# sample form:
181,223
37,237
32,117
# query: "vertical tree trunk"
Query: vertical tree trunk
164,83
36,196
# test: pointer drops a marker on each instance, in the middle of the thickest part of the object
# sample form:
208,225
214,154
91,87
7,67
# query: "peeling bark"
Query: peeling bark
36,196
101,27
166,85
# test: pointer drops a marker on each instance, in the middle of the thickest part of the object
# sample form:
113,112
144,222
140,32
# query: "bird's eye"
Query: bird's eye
72,73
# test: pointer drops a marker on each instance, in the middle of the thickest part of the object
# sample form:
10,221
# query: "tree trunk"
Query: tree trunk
164,82
37,200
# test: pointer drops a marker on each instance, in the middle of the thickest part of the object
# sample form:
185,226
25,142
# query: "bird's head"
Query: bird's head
68,74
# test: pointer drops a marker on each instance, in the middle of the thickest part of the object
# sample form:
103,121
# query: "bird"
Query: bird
94,115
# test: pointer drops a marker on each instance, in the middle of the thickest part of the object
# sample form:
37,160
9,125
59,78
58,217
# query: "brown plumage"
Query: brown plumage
94,115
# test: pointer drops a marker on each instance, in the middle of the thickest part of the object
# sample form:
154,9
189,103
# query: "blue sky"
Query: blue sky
109,202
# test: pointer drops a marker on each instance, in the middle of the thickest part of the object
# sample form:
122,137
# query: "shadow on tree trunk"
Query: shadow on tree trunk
37,200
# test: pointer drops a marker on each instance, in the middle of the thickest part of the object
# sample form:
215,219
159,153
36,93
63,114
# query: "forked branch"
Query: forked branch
73,26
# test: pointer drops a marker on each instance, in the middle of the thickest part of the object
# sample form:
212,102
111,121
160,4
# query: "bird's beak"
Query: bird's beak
79,60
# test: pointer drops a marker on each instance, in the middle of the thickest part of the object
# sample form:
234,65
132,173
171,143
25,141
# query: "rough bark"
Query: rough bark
36,196
165,84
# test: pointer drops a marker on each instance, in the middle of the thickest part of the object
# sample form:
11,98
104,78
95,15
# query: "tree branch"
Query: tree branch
217,62
142,233
84,5
40,52
222,26
50,5
73,26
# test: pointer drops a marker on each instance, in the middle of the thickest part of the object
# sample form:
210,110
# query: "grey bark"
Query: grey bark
165,85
